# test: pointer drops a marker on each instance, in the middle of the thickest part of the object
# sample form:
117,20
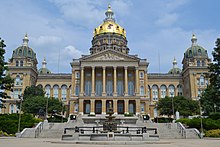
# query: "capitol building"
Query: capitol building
109,74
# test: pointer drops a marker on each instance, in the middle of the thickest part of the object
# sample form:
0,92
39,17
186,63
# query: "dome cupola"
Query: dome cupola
44,69
175,69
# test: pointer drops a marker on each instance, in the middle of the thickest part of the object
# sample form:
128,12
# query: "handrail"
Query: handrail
38,129
183,130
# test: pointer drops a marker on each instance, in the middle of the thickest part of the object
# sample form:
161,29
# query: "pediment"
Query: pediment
109,55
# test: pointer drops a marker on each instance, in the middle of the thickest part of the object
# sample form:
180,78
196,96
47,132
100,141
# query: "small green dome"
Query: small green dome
44,71
197,51
175,71
24,51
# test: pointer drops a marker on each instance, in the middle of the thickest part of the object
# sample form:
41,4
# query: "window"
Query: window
109,88
180,90
199,52
21,63
16,93
155,92
171,91
17,63
198,63
77,90
120,88
202,80
142,107
88,88
55,91
148,91
141,75
130,88
203,63
11,108
98,89
163,91
142,90
190,53
47,90
64,91
77,75
18,80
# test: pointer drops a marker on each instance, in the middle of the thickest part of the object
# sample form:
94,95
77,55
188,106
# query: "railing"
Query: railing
123,130
183,131
38,129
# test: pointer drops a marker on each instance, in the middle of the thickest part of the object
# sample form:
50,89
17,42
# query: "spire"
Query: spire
25,40
109,14
44,63
194,40
174,63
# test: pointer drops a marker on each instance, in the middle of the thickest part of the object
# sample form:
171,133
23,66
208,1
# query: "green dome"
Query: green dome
195,51
24,51
44,71
175,71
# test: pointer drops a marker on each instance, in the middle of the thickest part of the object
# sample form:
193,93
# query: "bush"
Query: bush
213,133
163,120
215,116
56,119
128,114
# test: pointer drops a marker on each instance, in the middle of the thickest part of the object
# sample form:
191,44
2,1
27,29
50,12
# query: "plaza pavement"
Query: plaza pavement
47,142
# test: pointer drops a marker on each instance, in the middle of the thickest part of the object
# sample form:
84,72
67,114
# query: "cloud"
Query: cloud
71,52
45,40
167,19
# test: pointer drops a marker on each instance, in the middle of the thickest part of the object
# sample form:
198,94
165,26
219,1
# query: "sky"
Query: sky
62,30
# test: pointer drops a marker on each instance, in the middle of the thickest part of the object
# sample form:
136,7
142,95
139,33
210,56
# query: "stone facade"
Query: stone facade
109,73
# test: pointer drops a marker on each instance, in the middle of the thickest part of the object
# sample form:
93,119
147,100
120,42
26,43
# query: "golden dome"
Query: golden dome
109,25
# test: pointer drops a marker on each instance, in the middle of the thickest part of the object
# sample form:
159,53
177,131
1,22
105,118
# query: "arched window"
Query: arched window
190,53
55,91
109,88
88,88
77,75
141,75
155,92
21,63
20,52
63,92
180,90
203,63
202,80
120,88
198,63
148,91
98,89
142,90
18,80
171,91
163,91
77,90
17,63
47,90
130,88
11,108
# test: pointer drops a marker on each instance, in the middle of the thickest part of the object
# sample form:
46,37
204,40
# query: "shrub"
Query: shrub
128,114
163,120
214,116
213,133
56,119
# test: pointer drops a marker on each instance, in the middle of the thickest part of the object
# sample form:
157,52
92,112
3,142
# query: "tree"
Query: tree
184,106
210,99
5,80
35,103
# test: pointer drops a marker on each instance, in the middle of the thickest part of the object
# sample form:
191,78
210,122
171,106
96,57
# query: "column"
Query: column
71,109
73,84
103,81
92,106
126,81
151,94
115,81
145,83
115,106
82,82
93,81
159,93
126,106
137,87
81,105
104,106
59,94
138,106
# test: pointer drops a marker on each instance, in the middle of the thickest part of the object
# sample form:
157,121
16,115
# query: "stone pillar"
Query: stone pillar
159,93
126,81
81,106
151,94
126,105
175,91
93,81
103,106
138,106
59,94
71,107
82,82
115,81
92,106
145,83
51,92
103,82
137,87
73,84
115,106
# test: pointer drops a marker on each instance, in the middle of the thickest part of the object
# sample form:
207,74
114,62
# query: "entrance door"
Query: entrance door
87,107
98,107
132,107
120,107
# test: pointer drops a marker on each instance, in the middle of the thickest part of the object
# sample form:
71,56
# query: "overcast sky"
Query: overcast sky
63,29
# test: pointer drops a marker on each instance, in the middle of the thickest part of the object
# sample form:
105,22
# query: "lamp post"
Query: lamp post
172,105
201,124
19,119
47,107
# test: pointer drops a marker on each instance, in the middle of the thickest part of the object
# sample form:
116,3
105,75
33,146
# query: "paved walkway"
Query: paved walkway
30,142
